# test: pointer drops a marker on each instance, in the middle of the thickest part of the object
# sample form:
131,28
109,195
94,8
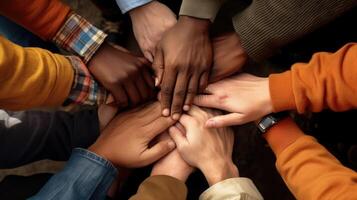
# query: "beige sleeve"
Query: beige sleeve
204,9
233,188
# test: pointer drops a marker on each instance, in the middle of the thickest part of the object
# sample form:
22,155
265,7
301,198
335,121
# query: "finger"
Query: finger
191,92
121,97
209,101
158,151
148,78
226,120
203,82
133,93
186,121
158,126
148,56
180,127
177,136
158,66
167,88
179,96
143,88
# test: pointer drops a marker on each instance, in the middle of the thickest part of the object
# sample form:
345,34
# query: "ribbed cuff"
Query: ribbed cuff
281,92
203,9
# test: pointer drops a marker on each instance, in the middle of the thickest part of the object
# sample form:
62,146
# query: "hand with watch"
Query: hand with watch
270,120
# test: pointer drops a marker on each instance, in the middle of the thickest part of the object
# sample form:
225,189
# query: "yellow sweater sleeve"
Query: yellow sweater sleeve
32,77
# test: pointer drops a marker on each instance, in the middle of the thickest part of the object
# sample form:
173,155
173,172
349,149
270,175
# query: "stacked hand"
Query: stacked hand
247,97
126,141
125,75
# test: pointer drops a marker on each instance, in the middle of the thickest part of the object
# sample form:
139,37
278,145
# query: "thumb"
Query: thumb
210,101
157,151
158,66
226,120
177,136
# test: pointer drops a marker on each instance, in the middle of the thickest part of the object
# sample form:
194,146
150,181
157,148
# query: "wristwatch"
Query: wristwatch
270,120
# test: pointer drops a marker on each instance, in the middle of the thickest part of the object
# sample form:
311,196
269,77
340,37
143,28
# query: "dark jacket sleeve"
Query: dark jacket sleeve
161,187
266,25
34,135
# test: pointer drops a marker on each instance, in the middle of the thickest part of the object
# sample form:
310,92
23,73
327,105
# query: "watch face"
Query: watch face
266,122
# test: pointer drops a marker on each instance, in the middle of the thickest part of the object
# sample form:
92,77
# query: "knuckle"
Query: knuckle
180,93
191,91
166,91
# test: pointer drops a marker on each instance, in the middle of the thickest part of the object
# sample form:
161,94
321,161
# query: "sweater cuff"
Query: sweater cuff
233,188
281,92
203,9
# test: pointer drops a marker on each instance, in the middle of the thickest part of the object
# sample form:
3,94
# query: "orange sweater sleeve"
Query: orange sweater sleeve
32,77
42,17
307,168
327,81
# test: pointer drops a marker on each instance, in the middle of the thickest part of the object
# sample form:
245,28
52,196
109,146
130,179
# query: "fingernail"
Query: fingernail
166,112
156,82
186,108
211,123
176,116
171,144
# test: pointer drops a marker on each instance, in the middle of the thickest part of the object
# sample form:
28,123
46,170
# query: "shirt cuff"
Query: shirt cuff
233,188
79,36
127,5
85,90
203,9
281,91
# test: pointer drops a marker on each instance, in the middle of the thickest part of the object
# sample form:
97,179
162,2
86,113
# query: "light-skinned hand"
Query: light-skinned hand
126,140
126,76
182,63
150,22
210,150
247,97
172,165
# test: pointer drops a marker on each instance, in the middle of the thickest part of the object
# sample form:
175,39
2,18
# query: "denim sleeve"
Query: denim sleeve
35,135
85,176
127,5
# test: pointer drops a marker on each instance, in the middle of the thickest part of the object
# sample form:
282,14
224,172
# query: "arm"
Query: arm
34,135
308,169
265,26
46,79
327,81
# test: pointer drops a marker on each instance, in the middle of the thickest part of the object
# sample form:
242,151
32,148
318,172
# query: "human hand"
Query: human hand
172,165
228,56
125,75
150,22
210,150
247,97
182,63
127,138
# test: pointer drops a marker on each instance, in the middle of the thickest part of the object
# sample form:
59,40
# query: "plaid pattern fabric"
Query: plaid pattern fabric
79,36
85,90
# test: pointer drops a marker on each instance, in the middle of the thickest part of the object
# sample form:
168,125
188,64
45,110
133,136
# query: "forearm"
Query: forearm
161,187
85,176
308,169
266,26
35,135
127,5
46,78
327,81
42,17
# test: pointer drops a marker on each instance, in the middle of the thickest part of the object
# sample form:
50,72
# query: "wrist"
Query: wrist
138,10
219,171
193,23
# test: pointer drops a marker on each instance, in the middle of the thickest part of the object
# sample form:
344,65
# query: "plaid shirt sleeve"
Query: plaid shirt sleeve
85,90
79,36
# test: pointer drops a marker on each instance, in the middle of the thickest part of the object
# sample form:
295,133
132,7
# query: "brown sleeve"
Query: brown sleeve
42,17
327,81
161,187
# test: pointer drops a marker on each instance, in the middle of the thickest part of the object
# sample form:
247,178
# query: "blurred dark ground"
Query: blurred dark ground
251,154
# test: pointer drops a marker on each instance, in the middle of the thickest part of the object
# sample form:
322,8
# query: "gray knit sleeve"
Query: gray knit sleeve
267,25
